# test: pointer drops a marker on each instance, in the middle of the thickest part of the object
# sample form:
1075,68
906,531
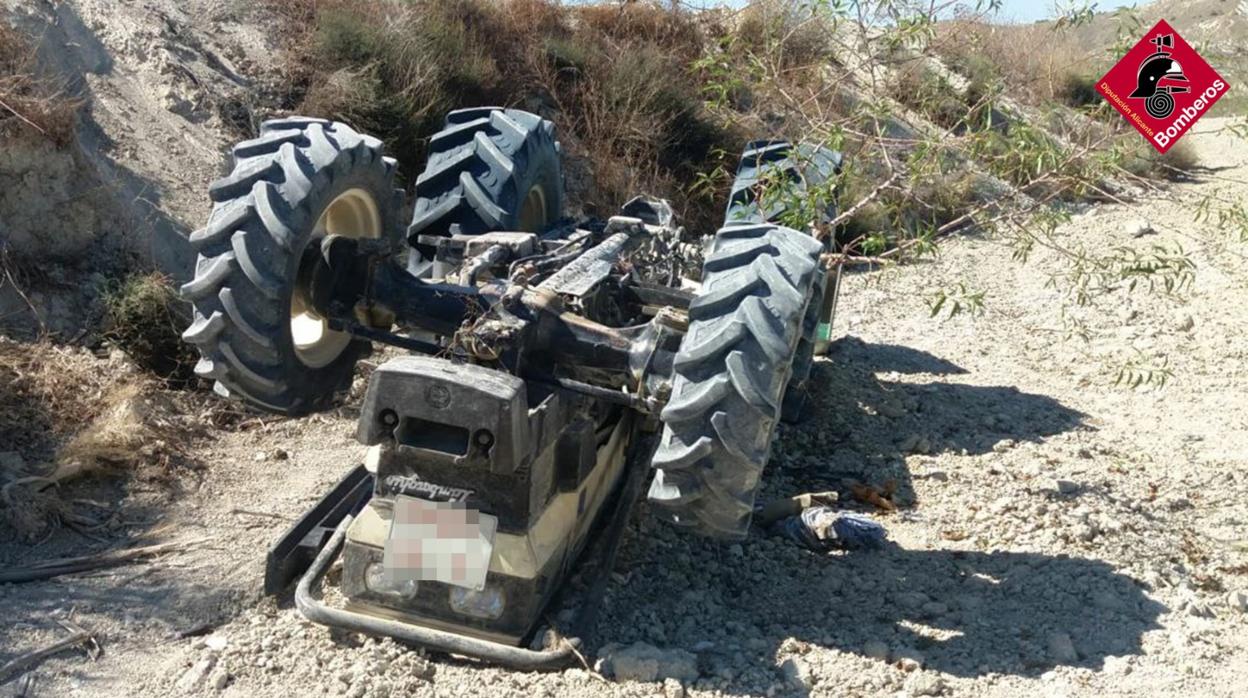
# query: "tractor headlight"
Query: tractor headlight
487,603
376,581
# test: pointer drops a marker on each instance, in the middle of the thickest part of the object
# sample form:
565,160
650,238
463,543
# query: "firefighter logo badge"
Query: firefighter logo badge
1159,77
1162,86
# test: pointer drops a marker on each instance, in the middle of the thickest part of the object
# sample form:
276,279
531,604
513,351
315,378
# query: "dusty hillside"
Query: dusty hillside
165,89
1218,29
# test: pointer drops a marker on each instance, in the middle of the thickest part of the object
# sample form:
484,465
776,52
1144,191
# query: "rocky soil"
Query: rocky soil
1054,534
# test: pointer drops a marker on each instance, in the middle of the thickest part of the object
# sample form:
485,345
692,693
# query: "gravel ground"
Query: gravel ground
1055,534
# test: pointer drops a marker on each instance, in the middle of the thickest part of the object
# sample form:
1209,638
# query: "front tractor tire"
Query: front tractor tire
299,181
731,371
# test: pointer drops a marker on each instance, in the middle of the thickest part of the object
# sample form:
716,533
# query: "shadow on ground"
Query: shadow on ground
964,613
868,391
873,404
91,218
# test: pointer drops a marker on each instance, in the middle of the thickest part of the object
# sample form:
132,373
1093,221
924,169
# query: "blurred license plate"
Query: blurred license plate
439,541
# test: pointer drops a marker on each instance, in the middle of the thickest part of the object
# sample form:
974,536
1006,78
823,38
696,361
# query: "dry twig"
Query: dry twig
77,636
109,558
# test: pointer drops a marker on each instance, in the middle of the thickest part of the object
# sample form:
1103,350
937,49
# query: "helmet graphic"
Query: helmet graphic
1153,71
1156,68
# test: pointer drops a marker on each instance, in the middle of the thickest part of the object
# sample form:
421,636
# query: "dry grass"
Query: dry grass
616,78
1035,63
29,104
1177,163
64,414
629,84
654,98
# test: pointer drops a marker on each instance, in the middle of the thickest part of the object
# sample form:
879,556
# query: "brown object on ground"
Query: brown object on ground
876,496
68,417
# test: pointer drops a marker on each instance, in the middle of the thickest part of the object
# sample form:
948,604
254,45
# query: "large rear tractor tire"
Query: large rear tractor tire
259,338
800,168
489,169
730,375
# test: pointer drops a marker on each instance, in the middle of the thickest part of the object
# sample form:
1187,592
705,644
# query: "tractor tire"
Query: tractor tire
804,166
730,374
793,407
300,180
489,169
810,165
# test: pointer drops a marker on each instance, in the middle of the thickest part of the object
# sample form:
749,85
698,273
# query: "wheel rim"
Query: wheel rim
354,214
533,212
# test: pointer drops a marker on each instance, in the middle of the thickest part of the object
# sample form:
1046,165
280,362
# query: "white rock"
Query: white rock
1085,532
908,659
673,689
1238,600
192,679
219,678
642,661
797,673
1119,666
1138,227
1199,609
1066,486
215,642
924,683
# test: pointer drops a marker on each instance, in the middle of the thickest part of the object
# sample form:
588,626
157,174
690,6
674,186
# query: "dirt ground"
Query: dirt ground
1058,535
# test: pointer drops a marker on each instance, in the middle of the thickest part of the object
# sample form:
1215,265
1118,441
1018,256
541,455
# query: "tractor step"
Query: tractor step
294,552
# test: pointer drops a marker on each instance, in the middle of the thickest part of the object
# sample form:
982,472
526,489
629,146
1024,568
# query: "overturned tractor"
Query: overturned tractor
551,363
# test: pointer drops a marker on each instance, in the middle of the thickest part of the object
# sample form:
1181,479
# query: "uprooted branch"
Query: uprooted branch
78,636
83,563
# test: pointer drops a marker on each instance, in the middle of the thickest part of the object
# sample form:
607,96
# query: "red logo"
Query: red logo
1162,86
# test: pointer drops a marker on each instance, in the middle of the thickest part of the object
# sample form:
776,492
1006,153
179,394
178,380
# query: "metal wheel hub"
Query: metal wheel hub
533,211
354,214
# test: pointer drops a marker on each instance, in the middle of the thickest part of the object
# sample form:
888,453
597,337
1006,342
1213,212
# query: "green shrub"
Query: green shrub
145,319
928,93
397,76
619,85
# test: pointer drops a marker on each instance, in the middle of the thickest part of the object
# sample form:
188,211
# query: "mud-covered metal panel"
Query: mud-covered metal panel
456,413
